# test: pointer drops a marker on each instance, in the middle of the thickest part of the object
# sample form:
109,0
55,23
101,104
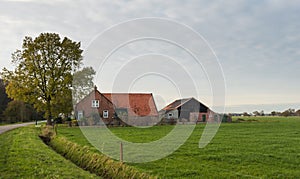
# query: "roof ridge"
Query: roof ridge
187,99
126,93
182,101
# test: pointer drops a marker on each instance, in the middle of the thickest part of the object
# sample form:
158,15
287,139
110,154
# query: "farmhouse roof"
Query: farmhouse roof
137,104
176,104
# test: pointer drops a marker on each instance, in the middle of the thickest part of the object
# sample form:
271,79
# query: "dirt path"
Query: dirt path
13,126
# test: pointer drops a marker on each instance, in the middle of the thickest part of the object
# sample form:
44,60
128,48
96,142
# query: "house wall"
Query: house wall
142,120
200,116
88,111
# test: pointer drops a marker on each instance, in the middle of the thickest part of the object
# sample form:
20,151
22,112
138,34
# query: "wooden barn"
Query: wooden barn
186,110
135,109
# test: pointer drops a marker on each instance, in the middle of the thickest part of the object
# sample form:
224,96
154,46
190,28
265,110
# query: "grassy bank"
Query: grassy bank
95,162
263,148
24,155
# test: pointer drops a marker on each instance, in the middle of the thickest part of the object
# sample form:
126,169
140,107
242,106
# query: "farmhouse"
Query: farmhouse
136,109
186,110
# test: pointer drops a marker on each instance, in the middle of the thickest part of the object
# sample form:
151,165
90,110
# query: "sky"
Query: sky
257,44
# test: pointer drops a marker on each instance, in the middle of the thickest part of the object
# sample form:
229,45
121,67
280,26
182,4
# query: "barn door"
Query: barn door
203,118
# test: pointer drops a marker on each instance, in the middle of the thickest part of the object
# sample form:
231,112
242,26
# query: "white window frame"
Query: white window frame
80,115
105,113
95,103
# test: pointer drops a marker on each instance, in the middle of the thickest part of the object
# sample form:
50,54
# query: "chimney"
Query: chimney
95,88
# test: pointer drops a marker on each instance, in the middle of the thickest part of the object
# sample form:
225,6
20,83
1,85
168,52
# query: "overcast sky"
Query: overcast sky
257,42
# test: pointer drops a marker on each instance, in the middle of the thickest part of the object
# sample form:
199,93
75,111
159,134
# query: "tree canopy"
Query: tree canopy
82,83
44,72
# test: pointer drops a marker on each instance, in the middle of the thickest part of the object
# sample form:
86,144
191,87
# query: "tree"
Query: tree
4,99
63,104
44,72
82,83
18,111
288,112
273,113
256,113
285,113
262,113
292,111
297,113
246,114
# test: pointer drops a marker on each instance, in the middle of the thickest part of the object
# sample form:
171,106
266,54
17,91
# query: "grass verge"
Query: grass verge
24,155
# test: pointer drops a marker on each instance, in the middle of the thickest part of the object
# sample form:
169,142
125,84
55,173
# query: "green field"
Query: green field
24,155
257,147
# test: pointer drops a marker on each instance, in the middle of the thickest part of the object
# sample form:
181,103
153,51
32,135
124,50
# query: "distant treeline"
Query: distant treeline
15,111
286,113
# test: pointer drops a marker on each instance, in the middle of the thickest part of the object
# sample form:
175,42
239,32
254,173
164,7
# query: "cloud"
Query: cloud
256,41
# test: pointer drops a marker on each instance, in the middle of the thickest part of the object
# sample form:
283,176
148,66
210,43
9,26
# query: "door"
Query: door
203,118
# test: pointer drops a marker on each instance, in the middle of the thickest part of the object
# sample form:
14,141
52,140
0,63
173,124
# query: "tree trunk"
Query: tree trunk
48,112
49,123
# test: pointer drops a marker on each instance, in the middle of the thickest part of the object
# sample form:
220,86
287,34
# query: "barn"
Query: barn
134,109
186,110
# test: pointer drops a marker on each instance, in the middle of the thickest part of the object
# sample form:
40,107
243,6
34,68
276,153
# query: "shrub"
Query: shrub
74,122
47,134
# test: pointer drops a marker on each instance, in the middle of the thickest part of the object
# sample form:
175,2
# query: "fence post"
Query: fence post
121,152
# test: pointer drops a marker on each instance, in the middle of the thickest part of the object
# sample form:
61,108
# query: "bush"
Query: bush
47,134
74,122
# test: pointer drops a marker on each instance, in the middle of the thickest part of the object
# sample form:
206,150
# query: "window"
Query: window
95,103
105,114
170,115
80,115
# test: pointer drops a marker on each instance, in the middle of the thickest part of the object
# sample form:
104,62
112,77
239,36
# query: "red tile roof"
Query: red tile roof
138,104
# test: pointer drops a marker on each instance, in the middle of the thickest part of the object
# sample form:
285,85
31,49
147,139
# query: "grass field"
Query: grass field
257,147
24,155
